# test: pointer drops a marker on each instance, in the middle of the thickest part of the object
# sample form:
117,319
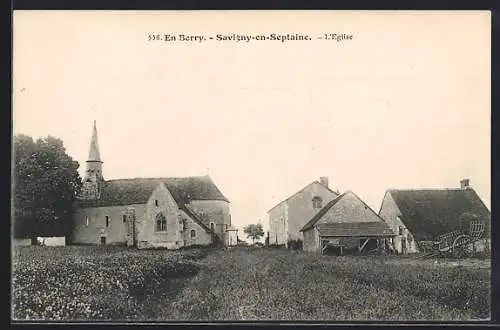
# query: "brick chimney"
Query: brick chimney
324,181
464,184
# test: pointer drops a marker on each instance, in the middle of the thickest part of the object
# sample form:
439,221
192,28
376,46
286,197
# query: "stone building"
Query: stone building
419,216
287,218
149,212
346,224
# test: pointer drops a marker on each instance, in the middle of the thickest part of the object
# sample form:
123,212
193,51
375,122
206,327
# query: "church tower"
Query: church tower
93,178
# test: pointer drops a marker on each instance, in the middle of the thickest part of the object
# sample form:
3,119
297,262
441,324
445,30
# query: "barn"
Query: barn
420,217
346,225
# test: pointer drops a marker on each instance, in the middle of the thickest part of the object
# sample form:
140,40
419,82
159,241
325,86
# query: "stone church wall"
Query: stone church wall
160,202
115,233
213,211
201,236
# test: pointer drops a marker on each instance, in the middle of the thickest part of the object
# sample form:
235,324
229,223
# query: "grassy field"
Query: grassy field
95,283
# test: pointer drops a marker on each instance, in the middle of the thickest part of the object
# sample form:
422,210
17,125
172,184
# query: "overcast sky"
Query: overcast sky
405,104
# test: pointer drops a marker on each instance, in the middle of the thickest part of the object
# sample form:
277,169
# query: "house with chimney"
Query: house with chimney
421,216
287,218
149,212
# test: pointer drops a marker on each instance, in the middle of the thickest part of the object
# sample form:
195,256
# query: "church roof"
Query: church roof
94,155
196,218
138,190
428,213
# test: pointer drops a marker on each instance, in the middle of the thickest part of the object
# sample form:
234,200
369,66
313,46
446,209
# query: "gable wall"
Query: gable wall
116,233
300,208
147,236
348,209
389,211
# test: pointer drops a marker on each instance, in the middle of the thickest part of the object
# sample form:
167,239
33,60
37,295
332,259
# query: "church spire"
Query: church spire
93,175
94,155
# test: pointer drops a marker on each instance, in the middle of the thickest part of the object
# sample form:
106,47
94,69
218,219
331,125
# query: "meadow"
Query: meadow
116,283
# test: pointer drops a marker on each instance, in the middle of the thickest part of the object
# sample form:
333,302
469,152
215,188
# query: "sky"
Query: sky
404,104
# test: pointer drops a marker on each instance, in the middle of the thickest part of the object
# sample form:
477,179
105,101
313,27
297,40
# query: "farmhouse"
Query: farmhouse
287,218
421,216
149,212
345,224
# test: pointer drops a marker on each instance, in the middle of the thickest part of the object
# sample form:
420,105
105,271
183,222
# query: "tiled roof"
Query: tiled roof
429,213
356,229
195,218
138,190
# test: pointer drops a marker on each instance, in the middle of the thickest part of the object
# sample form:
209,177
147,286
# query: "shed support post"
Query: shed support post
364,244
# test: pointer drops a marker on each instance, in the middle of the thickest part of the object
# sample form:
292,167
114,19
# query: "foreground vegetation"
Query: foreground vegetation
239,284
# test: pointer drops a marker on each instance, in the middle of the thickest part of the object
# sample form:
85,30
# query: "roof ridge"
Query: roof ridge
367,206
195,217
429,189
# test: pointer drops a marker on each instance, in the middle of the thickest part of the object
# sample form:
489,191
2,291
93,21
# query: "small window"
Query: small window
86,220
124,217
400,230
107,221
161,222
156,202
212,226
317,203
193,233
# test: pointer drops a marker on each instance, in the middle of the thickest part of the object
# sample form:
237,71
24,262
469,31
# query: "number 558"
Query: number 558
153,37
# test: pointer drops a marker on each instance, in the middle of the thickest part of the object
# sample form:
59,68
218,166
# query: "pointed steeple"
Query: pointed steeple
93,175
94,155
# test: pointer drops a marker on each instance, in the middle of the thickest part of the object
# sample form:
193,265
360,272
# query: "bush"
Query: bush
96,282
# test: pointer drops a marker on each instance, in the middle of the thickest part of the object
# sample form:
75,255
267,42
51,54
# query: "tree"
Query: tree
46,183
254,231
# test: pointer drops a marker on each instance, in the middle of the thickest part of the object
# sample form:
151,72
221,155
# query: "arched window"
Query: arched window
193,233
161,222
212,226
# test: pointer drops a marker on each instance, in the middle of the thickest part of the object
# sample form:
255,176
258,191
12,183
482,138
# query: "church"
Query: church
149,212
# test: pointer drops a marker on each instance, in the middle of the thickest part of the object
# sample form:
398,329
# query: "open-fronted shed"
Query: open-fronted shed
346,224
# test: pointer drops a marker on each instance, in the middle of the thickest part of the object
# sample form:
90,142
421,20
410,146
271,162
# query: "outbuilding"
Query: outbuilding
346,225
